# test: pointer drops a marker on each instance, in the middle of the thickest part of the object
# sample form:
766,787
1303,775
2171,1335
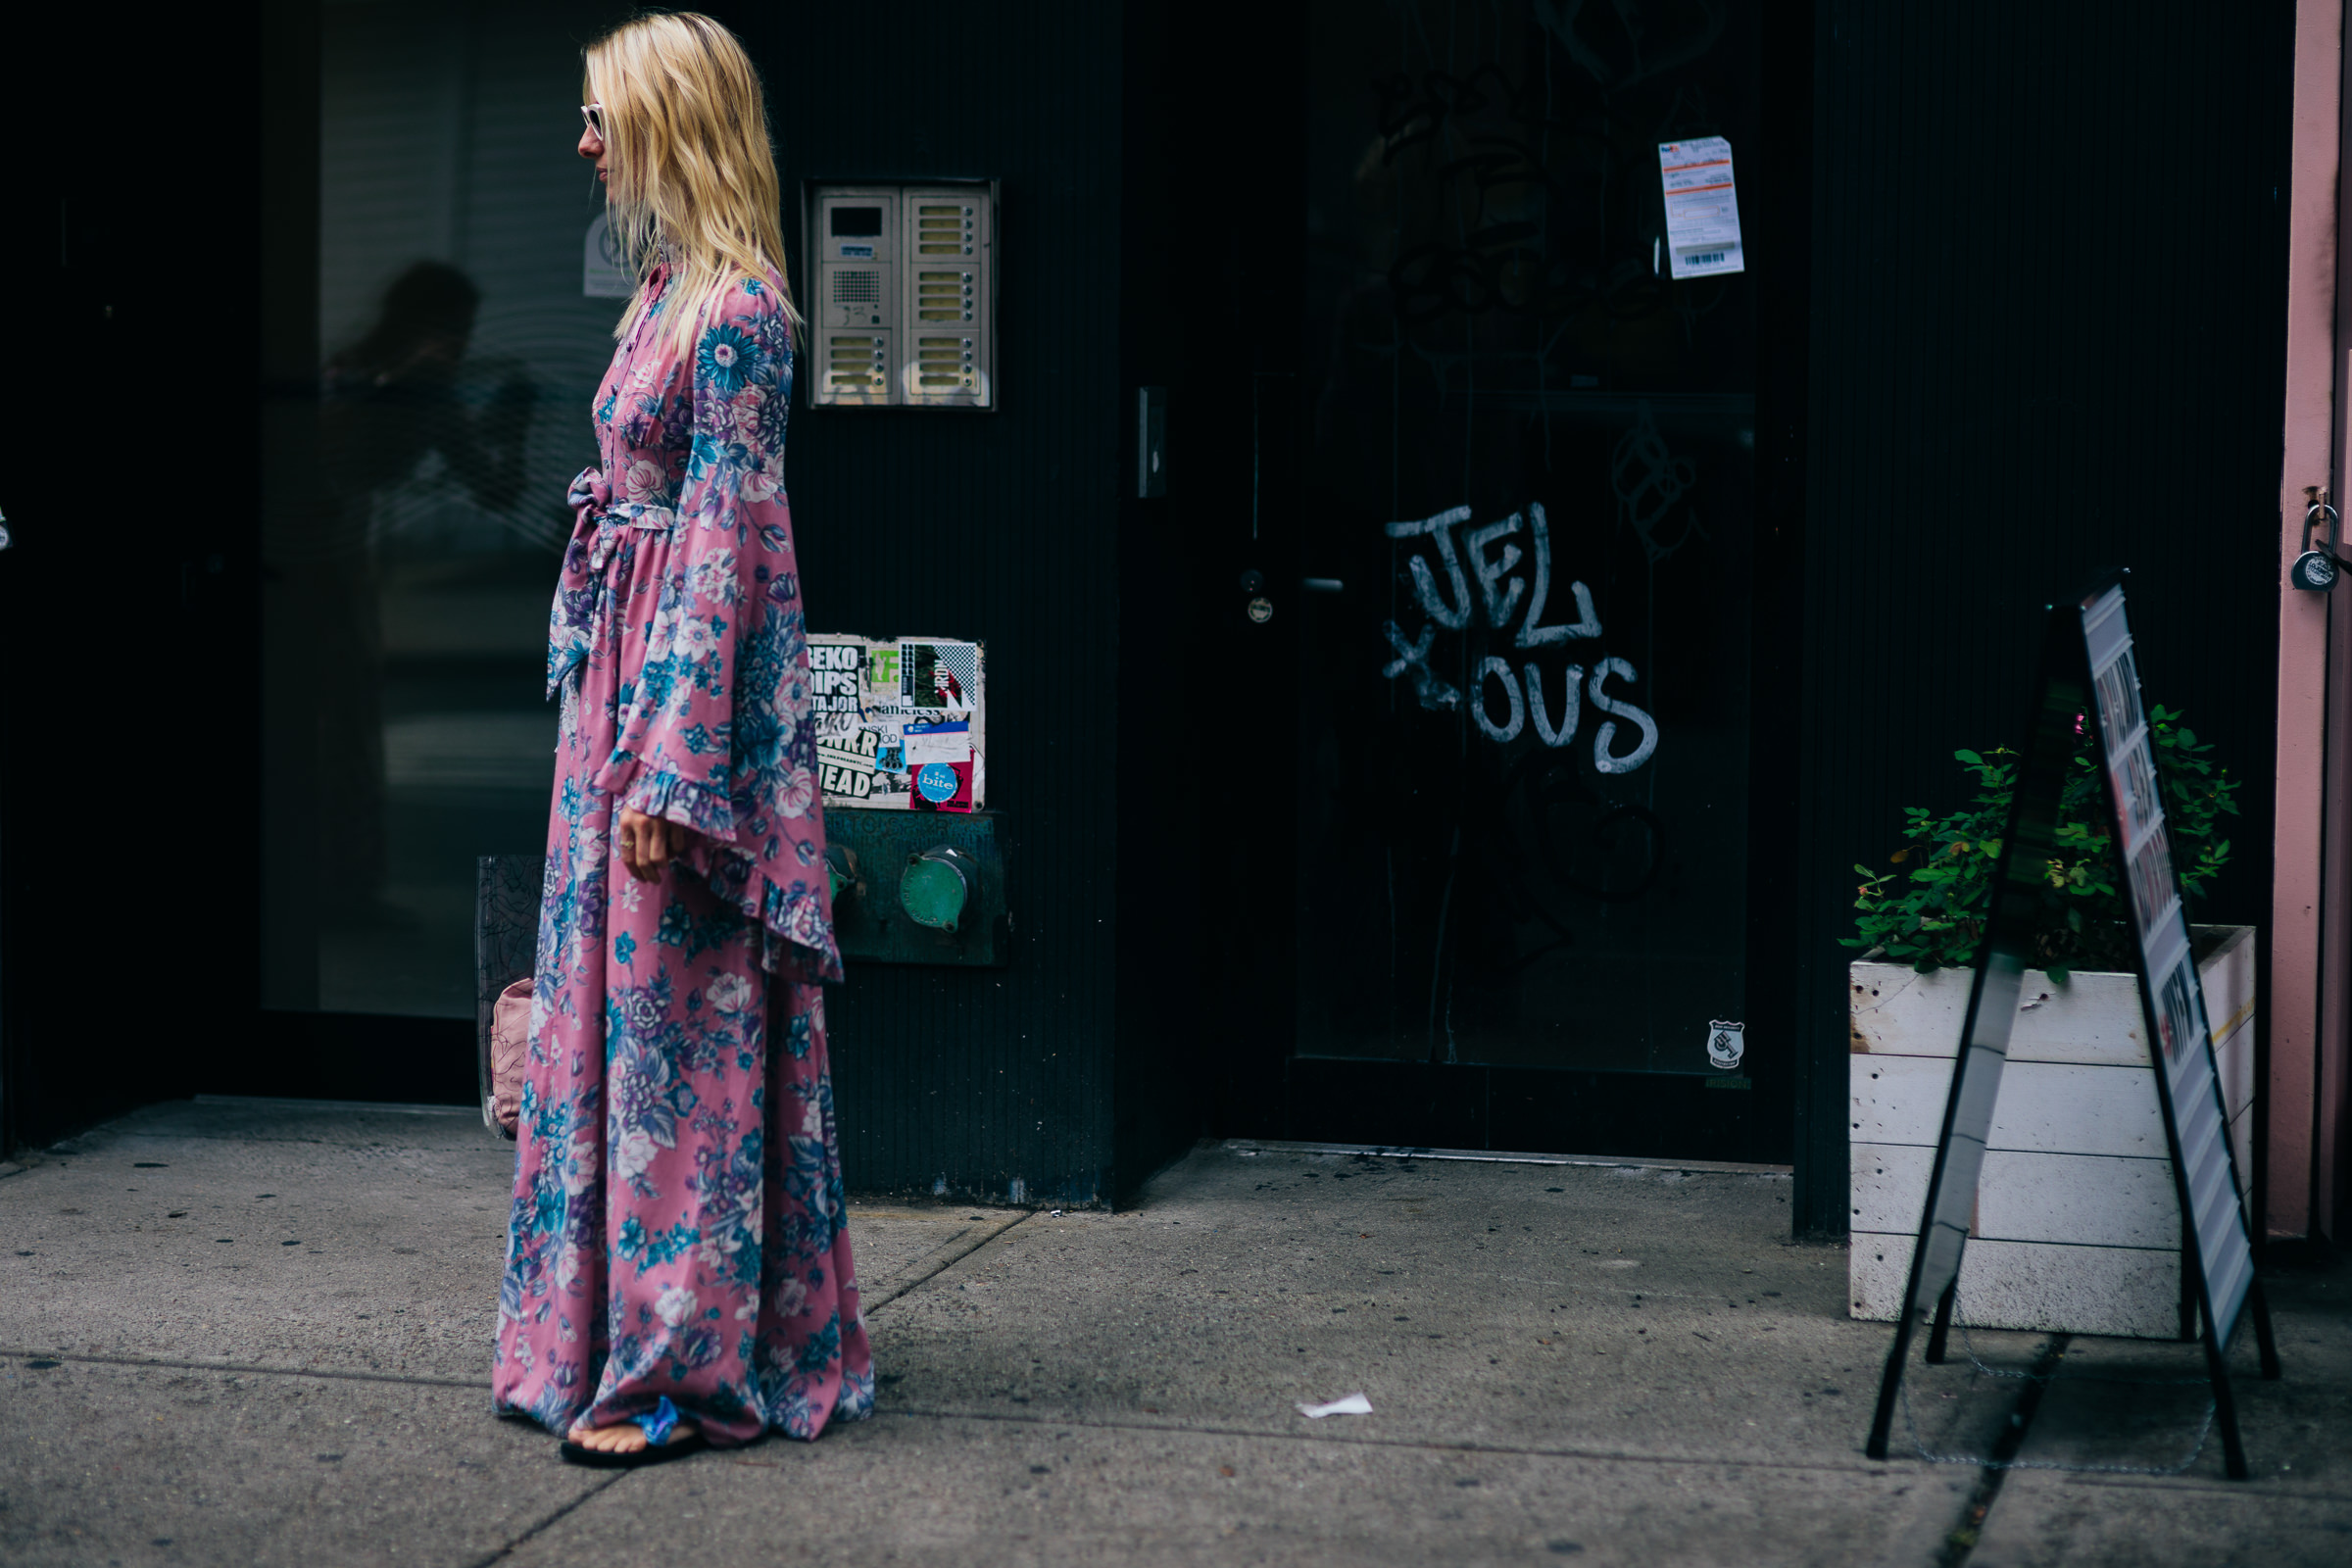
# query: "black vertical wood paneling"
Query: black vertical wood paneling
1778,212
1002,527
1159,1077
1237,110
129,448
2047,332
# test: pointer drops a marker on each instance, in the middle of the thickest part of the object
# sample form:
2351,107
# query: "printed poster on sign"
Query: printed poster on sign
901,722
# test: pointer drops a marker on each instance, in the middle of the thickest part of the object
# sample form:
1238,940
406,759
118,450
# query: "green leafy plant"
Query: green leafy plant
1930,913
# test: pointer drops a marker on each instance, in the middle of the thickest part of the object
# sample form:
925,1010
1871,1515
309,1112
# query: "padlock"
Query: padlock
2316,569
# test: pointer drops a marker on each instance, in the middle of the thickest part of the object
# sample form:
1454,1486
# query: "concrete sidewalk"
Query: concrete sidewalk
255,1332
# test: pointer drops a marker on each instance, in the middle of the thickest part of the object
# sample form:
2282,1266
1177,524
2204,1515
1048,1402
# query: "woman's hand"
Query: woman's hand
648,843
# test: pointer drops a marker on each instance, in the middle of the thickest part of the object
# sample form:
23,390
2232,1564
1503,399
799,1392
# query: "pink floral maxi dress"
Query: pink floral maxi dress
678,1226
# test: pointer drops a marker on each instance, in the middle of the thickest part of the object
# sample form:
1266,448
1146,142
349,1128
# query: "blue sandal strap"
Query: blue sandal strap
659,1422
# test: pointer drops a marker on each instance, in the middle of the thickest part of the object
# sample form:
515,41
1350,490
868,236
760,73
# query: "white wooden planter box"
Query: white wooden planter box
2077,1228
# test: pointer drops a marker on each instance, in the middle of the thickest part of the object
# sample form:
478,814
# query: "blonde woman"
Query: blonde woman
677,1263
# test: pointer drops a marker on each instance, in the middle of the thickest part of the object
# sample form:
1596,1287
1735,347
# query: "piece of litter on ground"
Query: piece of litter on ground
1350,1405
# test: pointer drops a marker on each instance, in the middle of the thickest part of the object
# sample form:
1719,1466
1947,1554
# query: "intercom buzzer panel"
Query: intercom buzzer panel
951,246
857,289
907,293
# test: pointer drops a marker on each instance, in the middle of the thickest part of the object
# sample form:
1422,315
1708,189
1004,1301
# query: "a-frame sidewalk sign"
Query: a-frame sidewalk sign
2088,677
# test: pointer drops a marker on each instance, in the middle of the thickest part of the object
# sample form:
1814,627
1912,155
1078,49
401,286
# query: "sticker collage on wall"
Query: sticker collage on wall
901,723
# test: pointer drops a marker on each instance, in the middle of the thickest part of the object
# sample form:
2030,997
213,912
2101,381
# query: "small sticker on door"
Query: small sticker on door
1727,1043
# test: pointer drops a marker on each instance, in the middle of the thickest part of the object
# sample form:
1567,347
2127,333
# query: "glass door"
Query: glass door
1526,541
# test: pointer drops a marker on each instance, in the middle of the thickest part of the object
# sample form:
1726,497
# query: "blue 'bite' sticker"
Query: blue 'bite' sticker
937,782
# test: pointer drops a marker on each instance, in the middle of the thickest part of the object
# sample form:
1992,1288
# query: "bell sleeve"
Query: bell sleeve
716,734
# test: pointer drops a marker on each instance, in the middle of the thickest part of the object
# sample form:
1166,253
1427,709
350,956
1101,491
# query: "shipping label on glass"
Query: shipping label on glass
1702,210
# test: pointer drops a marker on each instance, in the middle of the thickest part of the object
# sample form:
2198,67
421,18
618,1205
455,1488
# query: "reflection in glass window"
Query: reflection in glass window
459,350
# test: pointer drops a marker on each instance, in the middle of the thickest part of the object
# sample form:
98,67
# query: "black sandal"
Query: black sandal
677,1448
666,1438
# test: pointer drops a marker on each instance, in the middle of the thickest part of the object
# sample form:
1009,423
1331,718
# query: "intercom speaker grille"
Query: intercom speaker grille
856,287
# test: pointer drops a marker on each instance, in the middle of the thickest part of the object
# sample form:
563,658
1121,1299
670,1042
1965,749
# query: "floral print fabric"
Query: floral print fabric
678,1227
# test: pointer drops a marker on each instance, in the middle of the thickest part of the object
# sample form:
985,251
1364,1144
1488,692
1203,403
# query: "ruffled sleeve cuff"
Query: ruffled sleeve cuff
794,916
796,925
659,792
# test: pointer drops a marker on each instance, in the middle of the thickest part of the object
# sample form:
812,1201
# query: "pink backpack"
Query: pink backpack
510,1047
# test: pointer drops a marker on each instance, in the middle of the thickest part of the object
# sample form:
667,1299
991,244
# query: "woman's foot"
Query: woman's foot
647,1438
627,1436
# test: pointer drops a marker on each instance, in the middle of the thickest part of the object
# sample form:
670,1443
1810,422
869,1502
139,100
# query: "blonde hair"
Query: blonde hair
689,174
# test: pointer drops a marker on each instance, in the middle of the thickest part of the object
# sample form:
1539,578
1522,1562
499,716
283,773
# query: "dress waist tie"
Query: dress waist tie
599,524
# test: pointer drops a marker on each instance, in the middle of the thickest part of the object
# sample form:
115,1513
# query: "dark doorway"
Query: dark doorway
1505,500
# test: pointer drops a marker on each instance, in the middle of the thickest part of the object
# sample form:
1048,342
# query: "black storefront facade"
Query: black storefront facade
1316,823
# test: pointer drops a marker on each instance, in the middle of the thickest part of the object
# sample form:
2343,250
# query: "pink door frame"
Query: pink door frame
2311,900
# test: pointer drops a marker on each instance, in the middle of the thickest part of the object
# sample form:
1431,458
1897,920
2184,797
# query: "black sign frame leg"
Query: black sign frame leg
2088,676
1940,1334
